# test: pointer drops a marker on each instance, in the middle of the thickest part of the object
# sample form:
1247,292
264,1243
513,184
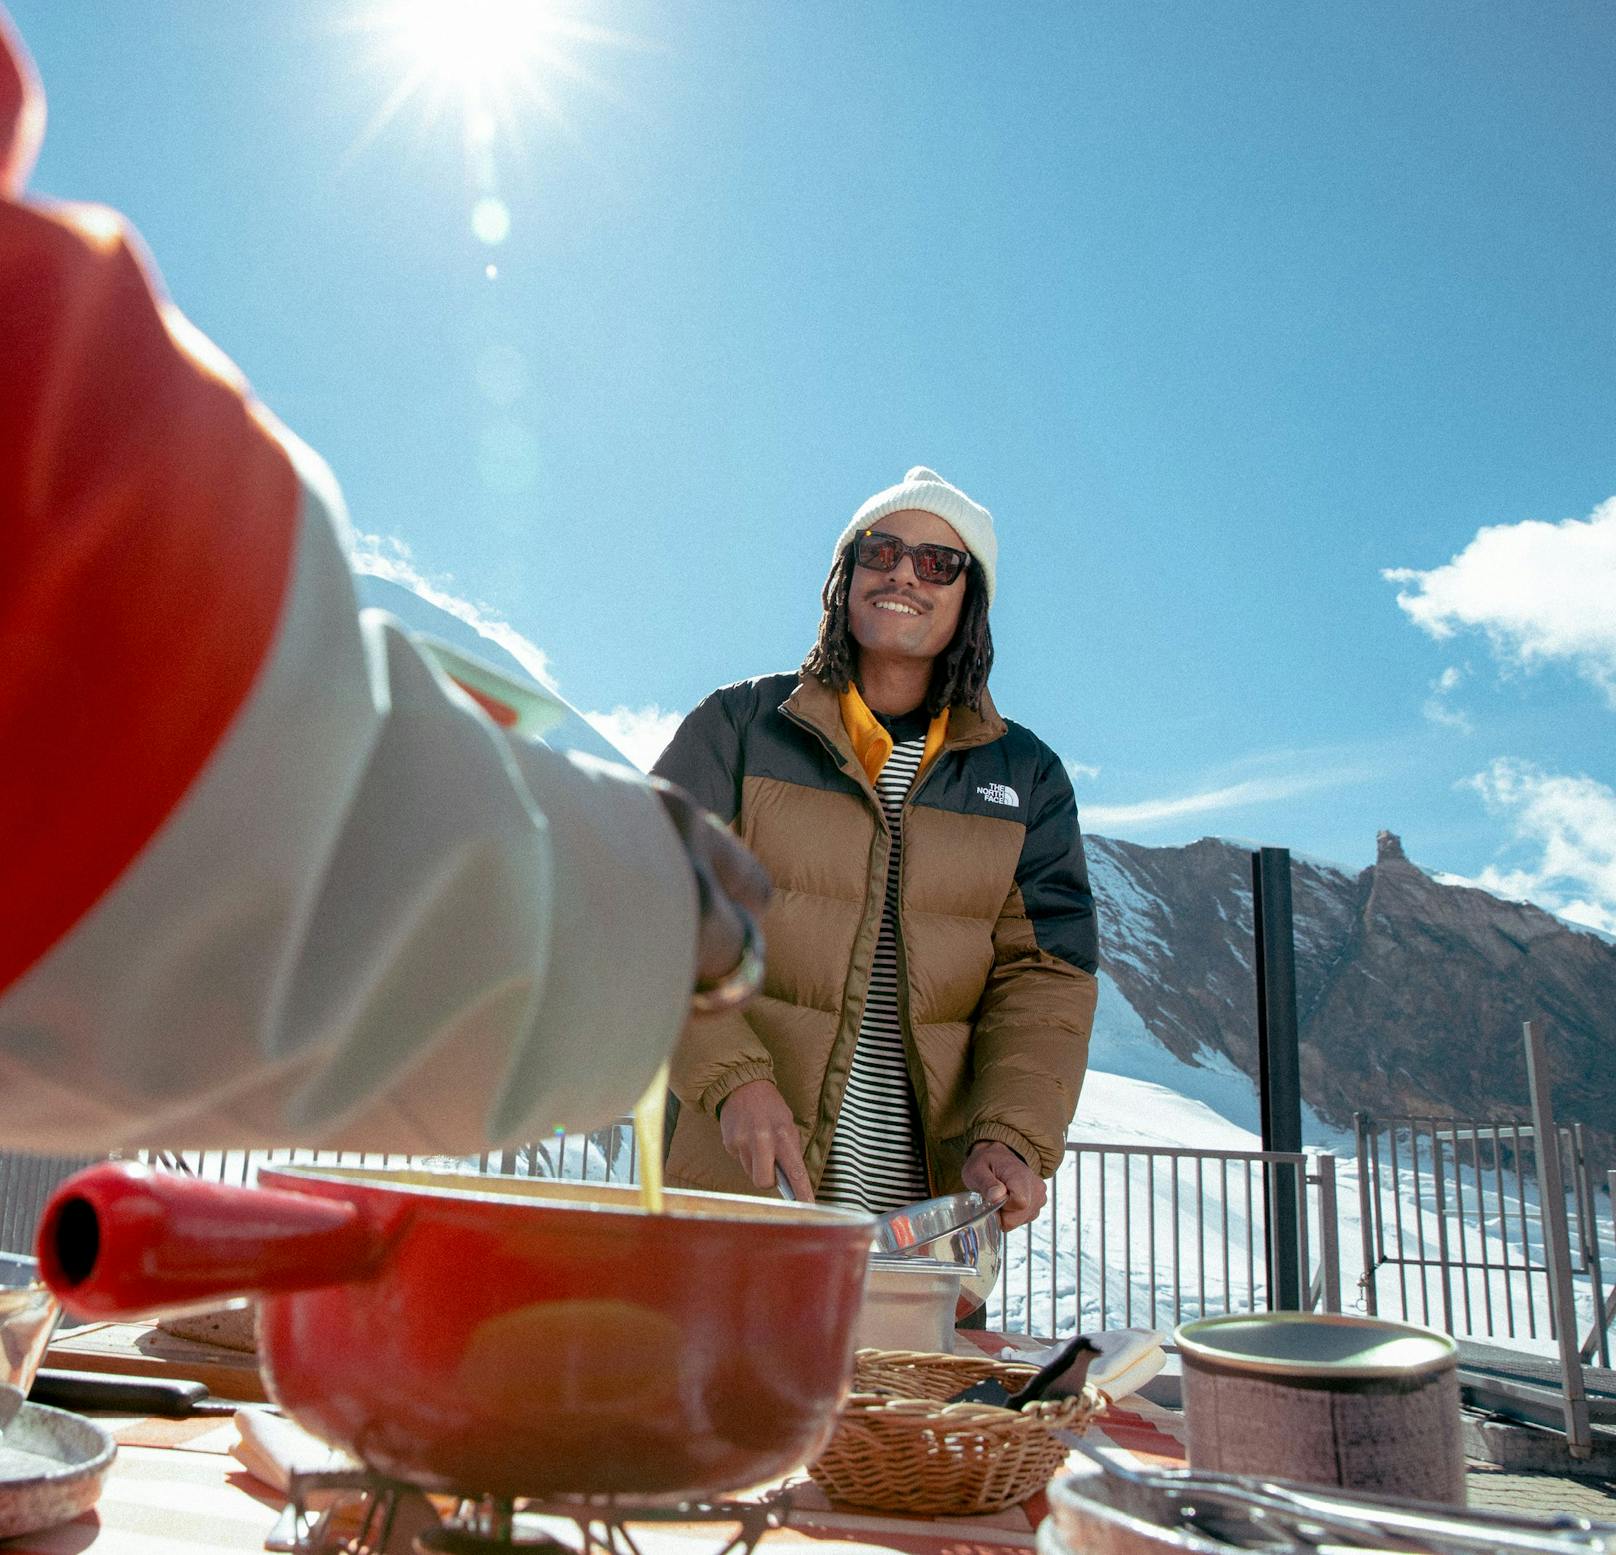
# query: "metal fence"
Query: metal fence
1501,1223
1453,1227
26,1182
1138,1236
1131,1235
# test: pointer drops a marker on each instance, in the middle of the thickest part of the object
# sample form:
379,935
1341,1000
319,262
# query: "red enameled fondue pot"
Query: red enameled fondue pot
497,1335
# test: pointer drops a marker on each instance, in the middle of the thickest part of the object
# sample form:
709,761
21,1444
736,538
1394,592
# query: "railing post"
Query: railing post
1368,1209
1556,1243
1329,1233
1588,1230
1279,1067
1439,1184
1605,1305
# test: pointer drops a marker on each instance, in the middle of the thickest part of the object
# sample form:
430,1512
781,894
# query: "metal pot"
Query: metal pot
909,1304
959,1228
498,1335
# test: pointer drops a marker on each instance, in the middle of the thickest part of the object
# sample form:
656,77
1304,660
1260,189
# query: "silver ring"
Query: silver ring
737,986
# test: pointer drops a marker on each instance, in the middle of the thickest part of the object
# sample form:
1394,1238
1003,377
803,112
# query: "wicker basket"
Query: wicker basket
899,1448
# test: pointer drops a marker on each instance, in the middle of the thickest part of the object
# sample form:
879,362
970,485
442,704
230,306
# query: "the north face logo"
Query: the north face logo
1000,793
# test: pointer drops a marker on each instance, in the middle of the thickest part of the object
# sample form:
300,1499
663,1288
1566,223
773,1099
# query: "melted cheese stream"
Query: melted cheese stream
649,1112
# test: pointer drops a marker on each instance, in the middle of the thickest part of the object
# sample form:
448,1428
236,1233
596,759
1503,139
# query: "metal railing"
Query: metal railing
1131,1235
1454,1215
1145,1236
1505,1198
607,1155
26,1182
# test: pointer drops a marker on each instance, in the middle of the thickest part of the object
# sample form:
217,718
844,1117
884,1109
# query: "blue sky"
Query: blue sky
1226,310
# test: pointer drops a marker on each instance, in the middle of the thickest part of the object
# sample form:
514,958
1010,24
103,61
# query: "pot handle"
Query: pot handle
122,1240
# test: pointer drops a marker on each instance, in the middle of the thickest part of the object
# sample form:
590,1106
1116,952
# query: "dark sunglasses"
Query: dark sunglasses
881,552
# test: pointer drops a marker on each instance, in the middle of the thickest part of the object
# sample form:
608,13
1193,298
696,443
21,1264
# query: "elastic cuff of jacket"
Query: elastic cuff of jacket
1030,1154
732,1080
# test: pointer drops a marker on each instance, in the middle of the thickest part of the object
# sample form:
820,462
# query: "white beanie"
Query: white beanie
928,492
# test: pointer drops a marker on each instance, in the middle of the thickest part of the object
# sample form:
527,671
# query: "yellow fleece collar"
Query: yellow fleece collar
871,742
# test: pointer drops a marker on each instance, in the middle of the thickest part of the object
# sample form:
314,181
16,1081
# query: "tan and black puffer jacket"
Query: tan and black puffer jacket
997,940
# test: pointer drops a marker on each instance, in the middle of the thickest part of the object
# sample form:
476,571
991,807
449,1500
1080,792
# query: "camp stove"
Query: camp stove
357,1512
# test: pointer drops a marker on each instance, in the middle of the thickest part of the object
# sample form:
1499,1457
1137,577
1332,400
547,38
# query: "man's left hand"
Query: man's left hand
1003,1178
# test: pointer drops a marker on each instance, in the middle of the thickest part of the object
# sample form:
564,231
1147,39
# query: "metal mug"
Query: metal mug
1358,1402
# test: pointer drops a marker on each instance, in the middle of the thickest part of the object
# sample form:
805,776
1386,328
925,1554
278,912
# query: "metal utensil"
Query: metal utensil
1194,1510
961,1228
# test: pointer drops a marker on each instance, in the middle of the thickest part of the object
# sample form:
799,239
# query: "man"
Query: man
266,875
930,985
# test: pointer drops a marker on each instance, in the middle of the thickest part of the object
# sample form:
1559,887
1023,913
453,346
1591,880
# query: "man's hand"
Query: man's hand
759,1131
1003,1178
727,877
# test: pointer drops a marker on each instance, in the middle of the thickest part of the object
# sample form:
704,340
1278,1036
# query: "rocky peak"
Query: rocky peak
1410,992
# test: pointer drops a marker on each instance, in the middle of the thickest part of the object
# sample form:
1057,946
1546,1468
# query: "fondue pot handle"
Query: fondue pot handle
122,1240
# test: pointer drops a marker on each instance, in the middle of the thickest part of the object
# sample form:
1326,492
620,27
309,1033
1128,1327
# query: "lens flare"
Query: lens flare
491,220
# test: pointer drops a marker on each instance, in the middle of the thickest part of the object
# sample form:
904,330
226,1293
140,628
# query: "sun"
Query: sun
490,64
474,46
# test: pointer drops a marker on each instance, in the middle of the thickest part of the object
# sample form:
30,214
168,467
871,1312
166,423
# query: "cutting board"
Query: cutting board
139,1350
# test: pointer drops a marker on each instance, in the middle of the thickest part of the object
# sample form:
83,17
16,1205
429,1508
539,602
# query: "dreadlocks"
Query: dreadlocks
958,677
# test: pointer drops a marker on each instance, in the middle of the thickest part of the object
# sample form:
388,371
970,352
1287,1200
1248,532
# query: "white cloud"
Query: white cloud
1439,710
1541,592
383,556
1081,769
1566,828
1153,812
641,733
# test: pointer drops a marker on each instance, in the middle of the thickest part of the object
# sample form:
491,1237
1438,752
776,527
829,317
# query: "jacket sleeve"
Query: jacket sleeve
1029,1047
716,1054
268,876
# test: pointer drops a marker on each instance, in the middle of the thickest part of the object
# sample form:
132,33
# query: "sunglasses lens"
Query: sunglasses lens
879,553
937,563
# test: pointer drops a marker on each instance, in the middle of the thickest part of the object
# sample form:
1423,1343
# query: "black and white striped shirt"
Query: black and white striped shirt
877,1157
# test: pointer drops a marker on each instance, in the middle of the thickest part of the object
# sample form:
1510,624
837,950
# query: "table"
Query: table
175,1490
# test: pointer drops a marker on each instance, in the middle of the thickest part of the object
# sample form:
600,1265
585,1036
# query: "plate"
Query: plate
52,1467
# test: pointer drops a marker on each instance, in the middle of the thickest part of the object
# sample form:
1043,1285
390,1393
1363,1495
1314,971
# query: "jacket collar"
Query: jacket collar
816,705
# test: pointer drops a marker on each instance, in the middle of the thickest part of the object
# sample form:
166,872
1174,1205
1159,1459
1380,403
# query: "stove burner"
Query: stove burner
360,1513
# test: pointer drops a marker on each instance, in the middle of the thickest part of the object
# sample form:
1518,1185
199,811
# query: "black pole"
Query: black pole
1279,1074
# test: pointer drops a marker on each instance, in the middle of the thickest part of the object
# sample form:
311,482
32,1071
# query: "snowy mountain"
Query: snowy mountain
1410,991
